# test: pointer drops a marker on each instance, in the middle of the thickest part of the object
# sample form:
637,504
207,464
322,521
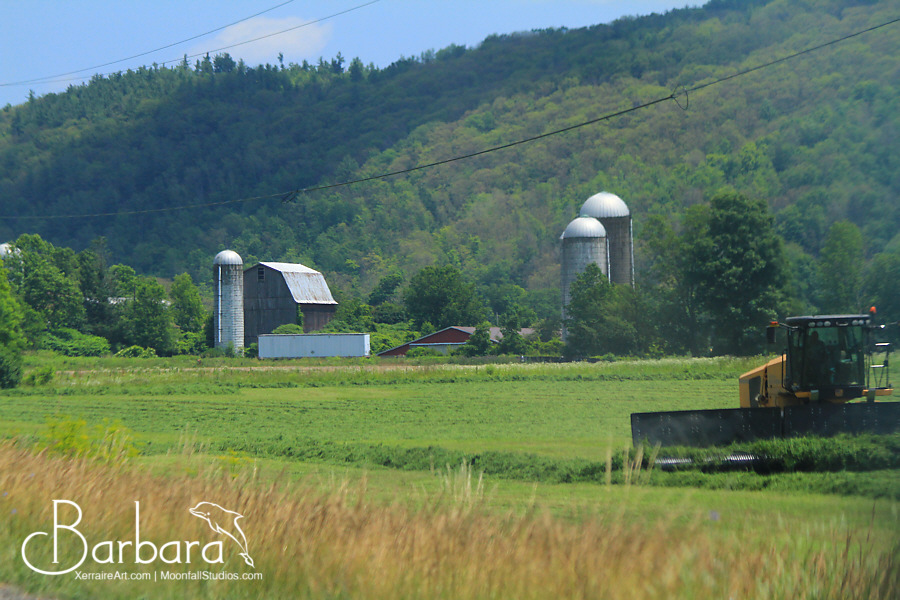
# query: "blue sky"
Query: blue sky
46,38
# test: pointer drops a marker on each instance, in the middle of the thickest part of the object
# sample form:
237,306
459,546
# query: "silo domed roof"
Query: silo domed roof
603,206
584,227
228,257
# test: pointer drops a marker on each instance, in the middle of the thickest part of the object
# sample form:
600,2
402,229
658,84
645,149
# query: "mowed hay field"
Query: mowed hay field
349,480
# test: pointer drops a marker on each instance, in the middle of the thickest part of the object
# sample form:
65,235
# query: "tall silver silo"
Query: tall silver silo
616,218
583,242
228,283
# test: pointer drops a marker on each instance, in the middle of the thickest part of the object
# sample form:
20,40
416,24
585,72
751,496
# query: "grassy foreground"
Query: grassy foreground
313,456
307,543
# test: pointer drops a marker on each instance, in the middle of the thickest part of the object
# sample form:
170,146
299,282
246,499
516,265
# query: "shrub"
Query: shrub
40,376
288,329
421,352
71,342
136,352
190,343
110,442
10,367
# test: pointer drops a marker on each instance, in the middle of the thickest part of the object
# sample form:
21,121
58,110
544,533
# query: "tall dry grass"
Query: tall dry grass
309,544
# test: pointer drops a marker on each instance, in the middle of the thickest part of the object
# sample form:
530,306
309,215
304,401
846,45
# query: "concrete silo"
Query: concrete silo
583,242
610,210
228,283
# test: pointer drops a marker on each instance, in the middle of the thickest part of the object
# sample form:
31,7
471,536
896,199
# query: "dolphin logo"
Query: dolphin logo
224,521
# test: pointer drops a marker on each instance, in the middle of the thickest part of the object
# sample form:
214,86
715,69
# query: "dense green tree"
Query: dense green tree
386,287
442,297
738,271
479,343
53,295
12,340
883,288
146,320
187,308
96,289
352,315
124,280
511,341
587,312
840,269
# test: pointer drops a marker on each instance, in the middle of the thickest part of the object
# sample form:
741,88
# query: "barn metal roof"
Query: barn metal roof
307,285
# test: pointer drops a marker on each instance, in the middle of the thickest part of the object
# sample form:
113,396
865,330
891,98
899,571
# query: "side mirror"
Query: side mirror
770,333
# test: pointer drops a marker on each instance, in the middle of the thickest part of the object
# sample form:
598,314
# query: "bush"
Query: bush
422,352
136,352
71,342
252,351
288,329
10,367
190,343
40,376
389,313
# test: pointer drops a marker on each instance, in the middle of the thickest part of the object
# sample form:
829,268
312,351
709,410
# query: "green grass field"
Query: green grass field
547,437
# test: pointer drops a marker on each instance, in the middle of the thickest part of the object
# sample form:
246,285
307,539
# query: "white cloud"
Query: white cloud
301,42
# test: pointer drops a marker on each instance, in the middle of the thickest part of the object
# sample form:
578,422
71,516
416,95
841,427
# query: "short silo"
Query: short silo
616,218
583,242
228,283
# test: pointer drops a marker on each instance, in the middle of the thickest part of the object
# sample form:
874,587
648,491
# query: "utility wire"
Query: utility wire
268,35
50,78
206,52
292,195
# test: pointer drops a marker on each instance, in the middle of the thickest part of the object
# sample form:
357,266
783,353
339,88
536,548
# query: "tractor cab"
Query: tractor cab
829,358
826,356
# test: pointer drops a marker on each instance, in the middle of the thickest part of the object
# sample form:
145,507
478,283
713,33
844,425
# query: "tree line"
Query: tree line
716,278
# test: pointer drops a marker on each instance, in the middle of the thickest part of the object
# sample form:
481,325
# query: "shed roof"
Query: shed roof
307,285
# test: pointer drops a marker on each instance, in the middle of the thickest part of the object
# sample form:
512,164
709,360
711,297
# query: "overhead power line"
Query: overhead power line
291,195
50,78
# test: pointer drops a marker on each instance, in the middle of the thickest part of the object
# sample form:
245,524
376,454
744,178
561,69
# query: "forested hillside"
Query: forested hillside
815,138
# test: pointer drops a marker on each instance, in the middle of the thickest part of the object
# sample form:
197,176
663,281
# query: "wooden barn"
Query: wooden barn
274,292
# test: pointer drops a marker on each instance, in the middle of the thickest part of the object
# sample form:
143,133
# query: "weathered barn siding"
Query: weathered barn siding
273,292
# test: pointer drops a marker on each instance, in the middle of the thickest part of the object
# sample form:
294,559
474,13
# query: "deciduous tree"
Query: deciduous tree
442,297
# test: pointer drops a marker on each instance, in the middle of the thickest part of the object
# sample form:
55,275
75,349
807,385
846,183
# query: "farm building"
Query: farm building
445,340
274,292
313,345
601,234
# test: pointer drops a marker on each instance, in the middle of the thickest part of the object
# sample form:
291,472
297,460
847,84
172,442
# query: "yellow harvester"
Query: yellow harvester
829,361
